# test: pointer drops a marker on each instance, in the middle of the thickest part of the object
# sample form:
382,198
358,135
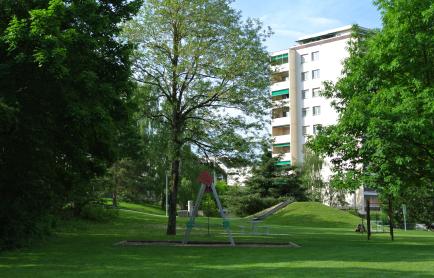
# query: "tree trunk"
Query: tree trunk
115,193
368,218
173,194
115,199
175,181
390,212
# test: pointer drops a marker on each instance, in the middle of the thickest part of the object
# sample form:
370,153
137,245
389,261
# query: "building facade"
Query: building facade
298,109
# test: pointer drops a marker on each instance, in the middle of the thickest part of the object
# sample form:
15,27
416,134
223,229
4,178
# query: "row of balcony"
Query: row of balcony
280,112
279,88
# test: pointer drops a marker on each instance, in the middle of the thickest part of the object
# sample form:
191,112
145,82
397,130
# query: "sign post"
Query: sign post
404,212
207,185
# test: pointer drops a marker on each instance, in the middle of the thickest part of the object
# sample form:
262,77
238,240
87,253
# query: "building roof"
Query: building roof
325,33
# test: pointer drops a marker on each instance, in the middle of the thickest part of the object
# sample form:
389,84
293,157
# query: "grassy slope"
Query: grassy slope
137,207
84,249
312,214
140,208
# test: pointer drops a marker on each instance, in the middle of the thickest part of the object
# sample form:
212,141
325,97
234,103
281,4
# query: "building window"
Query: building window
315,74
304,76
315,92
304,112
315,56
305,130
305,94
279,59
316,129
316,110
280,130
304,58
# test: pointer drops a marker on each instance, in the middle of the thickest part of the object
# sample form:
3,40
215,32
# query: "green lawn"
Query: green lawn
313,214
85,249
137,207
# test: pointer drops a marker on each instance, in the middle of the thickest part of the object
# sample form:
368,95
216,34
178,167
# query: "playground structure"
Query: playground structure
207,185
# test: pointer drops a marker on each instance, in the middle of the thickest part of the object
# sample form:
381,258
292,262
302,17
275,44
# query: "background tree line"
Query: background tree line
64,99
92,106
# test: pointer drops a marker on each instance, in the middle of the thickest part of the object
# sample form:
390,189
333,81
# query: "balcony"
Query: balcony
280,68
280,130
279,77
281,139
280,93
280,121
280,99
280,149
280,112
279,86
278,102
283,157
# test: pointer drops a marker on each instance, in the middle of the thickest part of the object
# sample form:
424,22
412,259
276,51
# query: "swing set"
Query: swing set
207,185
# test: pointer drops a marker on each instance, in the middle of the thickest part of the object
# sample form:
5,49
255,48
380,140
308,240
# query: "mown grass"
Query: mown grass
85,249
313,214
137,207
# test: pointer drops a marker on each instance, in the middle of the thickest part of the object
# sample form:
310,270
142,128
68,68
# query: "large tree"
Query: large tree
207,69
64,79
385,135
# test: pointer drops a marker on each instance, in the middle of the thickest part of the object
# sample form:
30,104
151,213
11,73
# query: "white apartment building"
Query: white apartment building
298,108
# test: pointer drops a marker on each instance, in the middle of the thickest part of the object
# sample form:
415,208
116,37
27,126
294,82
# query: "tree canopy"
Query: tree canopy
271,180
385,135
64,79
268,185
208,72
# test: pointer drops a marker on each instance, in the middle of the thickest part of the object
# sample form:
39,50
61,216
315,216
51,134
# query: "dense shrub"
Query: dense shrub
23,233
209,206
97,212
241,202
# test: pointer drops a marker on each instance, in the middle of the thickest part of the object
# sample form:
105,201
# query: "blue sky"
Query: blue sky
291,19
